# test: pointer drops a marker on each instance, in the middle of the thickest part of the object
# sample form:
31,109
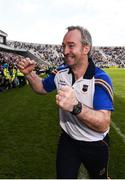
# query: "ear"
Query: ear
86,49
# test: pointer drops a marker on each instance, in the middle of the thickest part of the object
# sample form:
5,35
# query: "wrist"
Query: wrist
30,75
77,108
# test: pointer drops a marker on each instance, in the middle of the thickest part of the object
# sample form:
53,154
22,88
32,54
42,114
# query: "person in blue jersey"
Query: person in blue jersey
85,100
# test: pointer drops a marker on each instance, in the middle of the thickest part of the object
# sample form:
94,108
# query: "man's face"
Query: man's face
73,49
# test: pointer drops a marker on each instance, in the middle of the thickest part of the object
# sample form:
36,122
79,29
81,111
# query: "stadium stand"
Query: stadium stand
103,56
3,36
48,56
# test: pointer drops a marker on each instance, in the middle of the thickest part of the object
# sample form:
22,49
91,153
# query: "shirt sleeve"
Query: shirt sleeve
48,83
102,99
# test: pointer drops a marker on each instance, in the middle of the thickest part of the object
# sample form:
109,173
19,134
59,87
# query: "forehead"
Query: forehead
72,36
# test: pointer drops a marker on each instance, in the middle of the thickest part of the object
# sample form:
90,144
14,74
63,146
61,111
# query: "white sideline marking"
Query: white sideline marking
118,131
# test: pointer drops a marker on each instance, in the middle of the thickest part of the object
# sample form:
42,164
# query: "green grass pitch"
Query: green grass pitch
29,130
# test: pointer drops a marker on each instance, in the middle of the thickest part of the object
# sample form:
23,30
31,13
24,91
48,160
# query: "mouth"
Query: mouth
69,58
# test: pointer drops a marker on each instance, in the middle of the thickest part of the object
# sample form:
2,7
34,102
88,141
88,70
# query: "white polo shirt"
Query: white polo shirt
93,87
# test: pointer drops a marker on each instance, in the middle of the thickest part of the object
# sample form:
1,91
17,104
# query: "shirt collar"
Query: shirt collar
89,72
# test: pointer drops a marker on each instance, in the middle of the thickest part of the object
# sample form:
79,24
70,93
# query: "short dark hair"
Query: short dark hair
85,34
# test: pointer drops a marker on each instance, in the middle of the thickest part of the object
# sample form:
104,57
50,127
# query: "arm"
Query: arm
35,82
26,66
97,120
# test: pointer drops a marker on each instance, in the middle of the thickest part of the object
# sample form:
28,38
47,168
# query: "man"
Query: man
84,96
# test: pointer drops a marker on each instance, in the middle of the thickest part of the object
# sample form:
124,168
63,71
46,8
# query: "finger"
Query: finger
57,102
61,93
21,64
58,97
66,88
24,60
32,62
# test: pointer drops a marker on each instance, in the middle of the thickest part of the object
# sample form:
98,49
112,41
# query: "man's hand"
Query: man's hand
66,98
26,66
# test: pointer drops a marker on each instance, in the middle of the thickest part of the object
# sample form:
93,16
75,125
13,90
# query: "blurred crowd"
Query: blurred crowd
103,56
50,53
109,56
11,77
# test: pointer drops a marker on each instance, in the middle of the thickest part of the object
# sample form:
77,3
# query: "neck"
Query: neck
80,69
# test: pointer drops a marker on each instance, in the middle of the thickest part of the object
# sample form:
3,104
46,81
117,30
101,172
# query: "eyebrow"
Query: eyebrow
68,43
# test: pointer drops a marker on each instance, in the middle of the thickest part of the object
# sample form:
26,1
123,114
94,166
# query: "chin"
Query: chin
69,63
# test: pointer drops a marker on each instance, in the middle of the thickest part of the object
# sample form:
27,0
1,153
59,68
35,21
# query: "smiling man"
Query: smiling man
85,100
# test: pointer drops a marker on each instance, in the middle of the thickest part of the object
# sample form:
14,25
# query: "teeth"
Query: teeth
69,57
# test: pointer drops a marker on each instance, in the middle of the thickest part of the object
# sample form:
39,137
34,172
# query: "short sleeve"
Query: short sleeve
48,83
102,100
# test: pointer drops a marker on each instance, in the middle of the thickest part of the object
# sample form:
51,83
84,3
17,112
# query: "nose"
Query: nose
65,50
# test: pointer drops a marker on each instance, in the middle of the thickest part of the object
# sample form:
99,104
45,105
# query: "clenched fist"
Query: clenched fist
26,66
66,98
